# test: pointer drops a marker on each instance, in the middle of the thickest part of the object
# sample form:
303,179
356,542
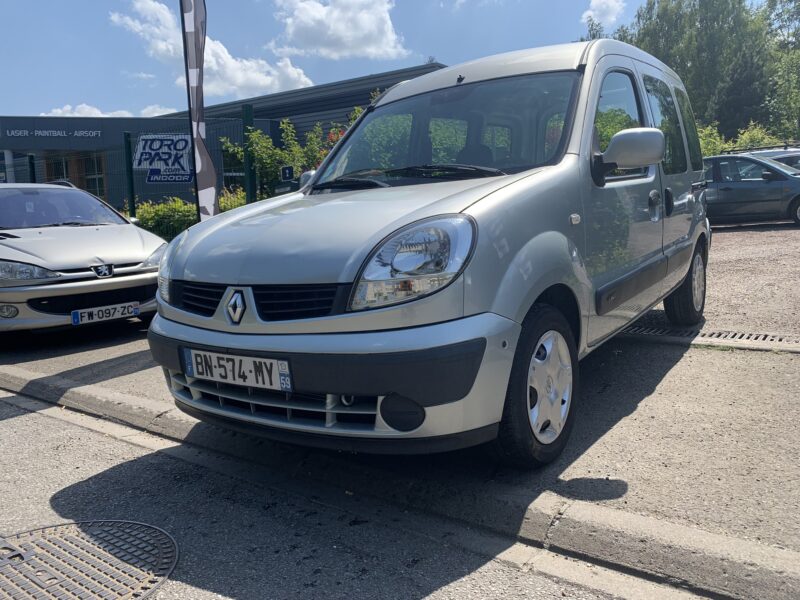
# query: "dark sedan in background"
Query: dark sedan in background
747,187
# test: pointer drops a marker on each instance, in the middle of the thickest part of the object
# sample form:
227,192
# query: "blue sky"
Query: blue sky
123,57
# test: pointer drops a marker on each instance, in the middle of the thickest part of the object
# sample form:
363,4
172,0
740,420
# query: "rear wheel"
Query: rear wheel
538,414
794,210
685,305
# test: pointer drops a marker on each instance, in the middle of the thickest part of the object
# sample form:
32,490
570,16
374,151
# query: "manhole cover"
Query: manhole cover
89,560
711,337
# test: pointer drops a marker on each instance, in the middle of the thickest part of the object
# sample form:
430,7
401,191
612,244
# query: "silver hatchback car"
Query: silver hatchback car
475,234
67,259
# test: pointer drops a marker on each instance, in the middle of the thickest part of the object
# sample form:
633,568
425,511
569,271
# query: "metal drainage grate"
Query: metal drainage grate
89,560
710,337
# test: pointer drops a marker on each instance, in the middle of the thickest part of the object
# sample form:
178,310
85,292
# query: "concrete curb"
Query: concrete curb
683,556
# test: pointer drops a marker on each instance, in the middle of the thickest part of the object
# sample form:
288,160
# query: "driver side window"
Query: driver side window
618,108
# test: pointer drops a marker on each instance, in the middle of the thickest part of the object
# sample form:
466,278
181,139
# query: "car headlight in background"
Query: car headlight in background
415,261
16,273
164,266
154,260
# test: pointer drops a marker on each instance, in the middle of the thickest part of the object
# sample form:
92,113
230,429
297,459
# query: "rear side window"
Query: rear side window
617,109
665,117
689,125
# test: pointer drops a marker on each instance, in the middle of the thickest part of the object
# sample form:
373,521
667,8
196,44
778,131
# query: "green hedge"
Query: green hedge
172,215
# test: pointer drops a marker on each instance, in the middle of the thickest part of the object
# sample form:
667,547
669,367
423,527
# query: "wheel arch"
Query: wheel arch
548,269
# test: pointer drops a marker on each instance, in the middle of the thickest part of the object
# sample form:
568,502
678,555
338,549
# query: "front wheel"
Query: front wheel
685,305
539,410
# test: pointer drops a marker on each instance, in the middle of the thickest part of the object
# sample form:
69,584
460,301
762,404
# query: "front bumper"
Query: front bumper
114,290
421,389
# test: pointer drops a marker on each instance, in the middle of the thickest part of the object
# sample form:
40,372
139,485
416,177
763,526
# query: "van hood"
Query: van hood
319,238
61,248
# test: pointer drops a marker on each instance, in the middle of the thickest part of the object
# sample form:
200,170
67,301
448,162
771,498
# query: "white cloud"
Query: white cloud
224,73
604,11
84,110
338,29
153,110
141,76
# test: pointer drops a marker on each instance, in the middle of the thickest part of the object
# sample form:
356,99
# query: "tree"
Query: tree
719,49
594,30
783,104
269,158
711,140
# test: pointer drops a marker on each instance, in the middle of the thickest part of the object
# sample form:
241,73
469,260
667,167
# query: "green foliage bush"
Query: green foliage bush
230,199
172,215
166,219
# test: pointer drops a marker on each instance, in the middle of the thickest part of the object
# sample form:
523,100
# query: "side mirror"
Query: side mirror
306,177
767,175
629,149
134,220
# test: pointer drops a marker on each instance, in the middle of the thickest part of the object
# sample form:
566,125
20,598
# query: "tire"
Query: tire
536,369
684,306
794,210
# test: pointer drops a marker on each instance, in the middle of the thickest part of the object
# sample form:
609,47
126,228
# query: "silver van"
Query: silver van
435,283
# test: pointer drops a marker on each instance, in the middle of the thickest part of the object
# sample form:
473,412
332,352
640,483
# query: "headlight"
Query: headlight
416,261
154,260
16,273
164,266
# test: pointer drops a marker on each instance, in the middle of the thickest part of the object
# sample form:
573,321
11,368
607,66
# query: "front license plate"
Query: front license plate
266,373
105,313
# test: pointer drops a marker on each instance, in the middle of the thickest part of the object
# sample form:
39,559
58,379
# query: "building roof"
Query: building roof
318,98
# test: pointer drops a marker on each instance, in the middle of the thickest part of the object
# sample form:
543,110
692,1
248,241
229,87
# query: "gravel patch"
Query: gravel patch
753,280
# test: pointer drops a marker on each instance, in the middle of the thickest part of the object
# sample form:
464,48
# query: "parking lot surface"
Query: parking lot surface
701,437
753,272
239,539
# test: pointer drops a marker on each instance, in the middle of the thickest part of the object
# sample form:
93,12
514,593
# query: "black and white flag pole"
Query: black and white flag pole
193,21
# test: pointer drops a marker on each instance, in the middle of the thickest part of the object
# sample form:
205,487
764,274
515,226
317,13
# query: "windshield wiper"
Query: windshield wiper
72,224
448,169
349,182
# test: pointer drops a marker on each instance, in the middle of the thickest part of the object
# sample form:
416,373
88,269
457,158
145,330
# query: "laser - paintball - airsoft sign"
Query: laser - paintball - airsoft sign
165,156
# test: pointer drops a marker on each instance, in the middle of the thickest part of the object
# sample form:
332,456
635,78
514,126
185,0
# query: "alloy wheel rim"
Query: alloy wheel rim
698,282
549,387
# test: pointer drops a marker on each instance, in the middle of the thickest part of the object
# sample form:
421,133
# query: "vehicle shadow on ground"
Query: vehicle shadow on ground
467,486
23,346
36,347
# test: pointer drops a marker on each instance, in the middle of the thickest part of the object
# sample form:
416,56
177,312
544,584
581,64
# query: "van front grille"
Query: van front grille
273,302
329,412
198,298
287,302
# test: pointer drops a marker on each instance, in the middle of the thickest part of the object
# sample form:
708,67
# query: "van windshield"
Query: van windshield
483,129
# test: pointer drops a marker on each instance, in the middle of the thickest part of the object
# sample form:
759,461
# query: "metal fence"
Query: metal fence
164,203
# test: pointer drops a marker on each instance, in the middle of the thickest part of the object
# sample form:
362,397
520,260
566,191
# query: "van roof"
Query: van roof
560,57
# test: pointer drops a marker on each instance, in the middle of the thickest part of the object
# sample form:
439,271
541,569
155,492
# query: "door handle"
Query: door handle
669,201
654,203
726,189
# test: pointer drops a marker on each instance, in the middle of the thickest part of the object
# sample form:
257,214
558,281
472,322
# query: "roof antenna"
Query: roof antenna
460,79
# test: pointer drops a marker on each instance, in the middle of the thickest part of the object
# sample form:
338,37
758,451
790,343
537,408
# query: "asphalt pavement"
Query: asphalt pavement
687,441
240,537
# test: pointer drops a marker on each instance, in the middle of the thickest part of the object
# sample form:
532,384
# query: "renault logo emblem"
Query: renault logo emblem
236,307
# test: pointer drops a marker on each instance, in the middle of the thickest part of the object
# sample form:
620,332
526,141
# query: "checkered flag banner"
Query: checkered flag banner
193,19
